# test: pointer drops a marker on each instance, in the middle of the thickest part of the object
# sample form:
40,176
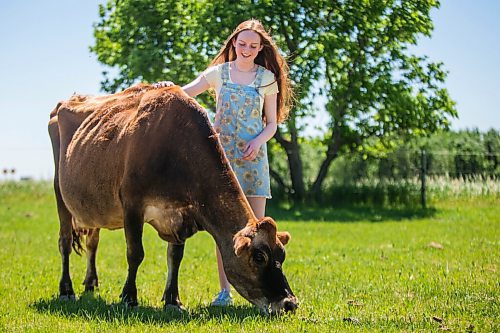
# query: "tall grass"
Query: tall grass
404,192
444,187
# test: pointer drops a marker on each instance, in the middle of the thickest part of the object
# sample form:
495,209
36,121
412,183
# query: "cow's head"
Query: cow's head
256,272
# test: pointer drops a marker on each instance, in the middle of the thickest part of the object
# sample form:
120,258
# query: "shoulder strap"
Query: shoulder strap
260,75
225,72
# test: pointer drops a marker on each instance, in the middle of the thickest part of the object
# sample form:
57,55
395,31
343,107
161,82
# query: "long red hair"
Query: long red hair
269,57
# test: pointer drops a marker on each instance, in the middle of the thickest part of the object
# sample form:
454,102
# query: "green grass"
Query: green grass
362,270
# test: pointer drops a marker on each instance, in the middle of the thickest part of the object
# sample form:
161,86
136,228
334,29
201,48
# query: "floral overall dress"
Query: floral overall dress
239,120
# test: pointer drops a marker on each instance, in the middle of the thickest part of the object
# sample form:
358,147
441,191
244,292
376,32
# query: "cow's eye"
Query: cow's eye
259,257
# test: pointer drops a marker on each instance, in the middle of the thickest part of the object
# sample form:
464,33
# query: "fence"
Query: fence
405,177
468,168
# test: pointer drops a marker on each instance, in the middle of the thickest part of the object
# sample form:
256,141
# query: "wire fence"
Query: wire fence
407,176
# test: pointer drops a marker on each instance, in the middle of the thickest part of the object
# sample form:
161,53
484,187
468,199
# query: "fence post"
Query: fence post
423,173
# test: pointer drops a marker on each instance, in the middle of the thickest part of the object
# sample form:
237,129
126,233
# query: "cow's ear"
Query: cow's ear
284,237
267,228
240,244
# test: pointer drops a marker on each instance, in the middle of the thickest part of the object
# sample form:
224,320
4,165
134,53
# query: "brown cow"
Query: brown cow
151,155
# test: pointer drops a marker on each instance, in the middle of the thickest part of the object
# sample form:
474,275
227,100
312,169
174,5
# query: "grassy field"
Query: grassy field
361,270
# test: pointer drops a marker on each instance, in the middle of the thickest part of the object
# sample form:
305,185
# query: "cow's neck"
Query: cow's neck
228,215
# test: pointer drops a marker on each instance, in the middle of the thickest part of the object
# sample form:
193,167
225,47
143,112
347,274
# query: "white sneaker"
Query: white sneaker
223,298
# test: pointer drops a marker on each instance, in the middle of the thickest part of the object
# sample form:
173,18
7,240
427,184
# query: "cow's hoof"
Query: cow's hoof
66,298
175,307
66,290
129,303
90,289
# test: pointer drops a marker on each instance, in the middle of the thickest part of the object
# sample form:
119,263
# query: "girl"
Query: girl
253,94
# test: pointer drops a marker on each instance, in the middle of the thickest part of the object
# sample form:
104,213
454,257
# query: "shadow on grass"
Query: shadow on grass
92,307
347,214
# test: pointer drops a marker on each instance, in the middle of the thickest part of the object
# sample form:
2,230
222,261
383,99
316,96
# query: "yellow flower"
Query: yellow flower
226,120
248,101
225,139
239,162
255,113
260,183
250,191
230,154
241,144
251,130
247,176
234,97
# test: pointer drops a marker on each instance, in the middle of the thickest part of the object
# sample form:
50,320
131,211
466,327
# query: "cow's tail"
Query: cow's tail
76,243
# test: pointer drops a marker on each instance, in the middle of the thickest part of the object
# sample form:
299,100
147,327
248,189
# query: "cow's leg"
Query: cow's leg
65,218
92,242
133,224
65,242
174,257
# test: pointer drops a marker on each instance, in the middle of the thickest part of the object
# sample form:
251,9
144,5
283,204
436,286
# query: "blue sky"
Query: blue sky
45,58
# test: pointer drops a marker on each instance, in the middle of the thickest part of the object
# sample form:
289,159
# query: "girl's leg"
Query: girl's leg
258,205
224,283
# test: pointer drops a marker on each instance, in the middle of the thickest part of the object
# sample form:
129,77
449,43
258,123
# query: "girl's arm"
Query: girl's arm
253,146
196,87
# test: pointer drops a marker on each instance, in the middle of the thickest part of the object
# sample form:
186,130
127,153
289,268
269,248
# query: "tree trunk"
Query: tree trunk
331,154
292,150
337,140
334,145
279,181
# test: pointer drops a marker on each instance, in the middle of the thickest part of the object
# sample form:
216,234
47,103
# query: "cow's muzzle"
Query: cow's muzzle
287,304
290,305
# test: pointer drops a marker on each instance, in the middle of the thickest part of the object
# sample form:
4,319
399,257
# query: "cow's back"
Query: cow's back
126,145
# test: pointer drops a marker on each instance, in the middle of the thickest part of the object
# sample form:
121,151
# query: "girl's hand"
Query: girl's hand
163,84
251,150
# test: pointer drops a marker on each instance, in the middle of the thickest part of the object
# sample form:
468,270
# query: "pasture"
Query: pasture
361,270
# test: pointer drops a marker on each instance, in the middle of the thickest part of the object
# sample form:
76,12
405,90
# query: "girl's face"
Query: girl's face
247,45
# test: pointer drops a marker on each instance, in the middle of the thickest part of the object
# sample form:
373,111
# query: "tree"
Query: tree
377,92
